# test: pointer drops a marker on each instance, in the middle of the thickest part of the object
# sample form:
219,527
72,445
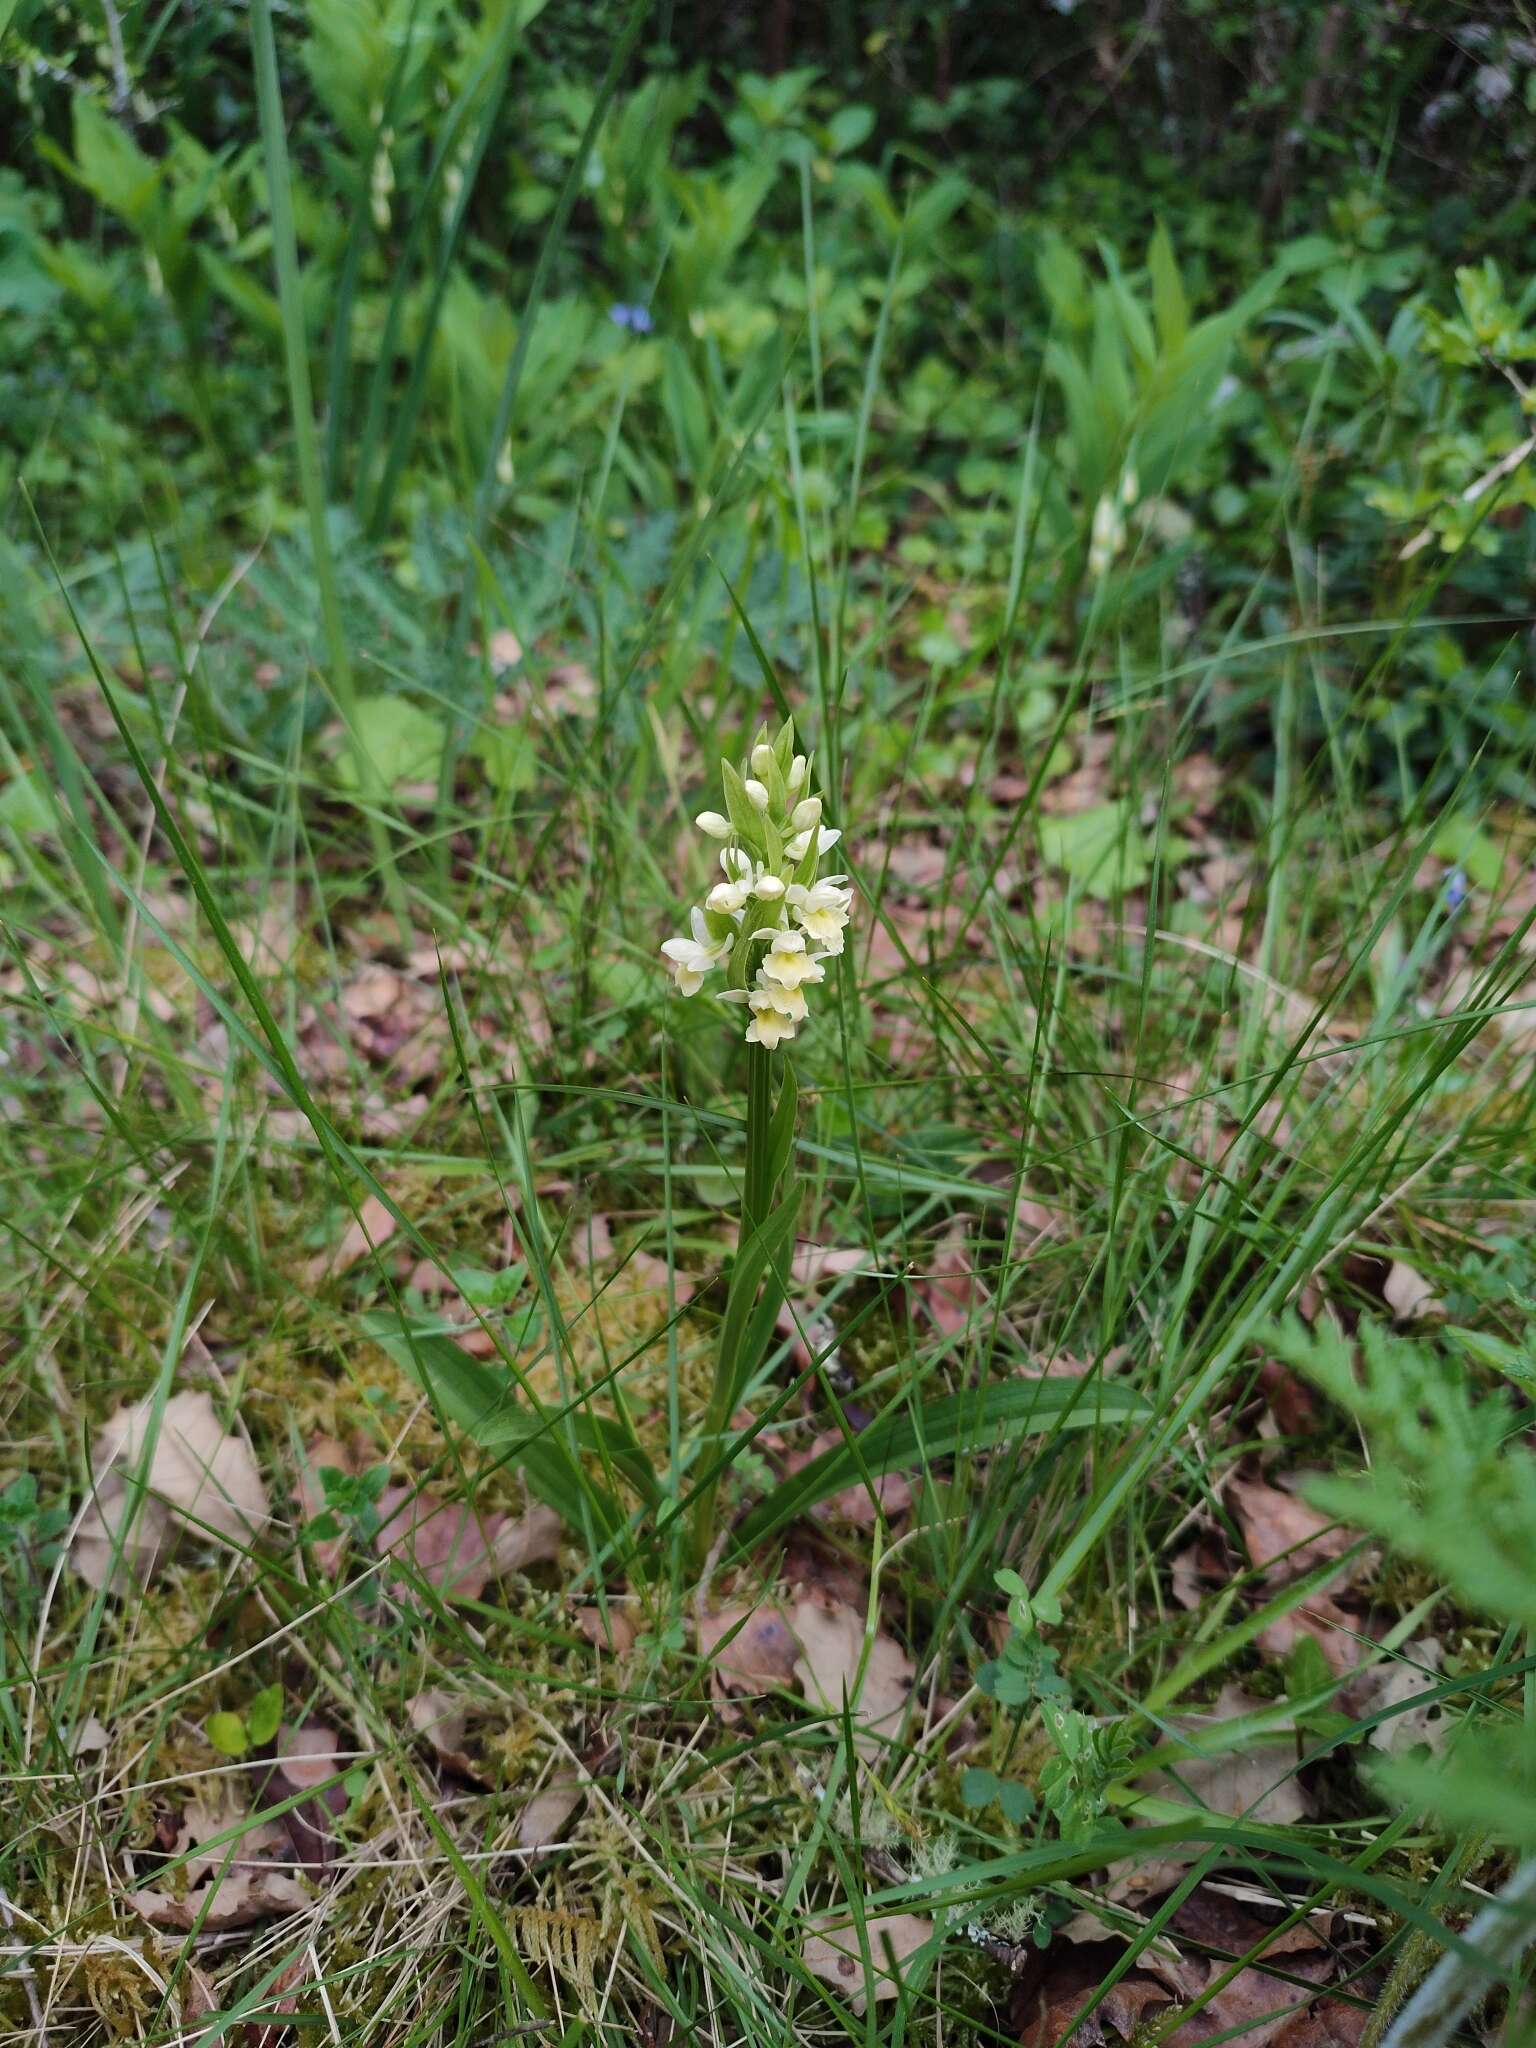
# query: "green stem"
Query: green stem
756,1199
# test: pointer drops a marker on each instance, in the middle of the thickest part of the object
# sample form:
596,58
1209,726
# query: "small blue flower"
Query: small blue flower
1455,889
636,318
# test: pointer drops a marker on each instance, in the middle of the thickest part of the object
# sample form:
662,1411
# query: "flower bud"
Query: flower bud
768,887
806,813
762,759
714,824
797,769
758,793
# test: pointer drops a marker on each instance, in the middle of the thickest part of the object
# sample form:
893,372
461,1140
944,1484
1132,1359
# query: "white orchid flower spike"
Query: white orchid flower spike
772,923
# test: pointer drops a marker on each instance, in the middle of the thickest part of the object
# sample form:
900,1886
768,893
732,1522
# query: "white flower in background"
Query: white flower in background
772,923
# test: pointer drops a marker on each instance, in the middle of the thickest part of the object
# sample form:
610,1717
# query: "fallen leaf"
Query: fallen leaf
543,1819
374,992
814,1263
1256,1782
1285,1538
521,1540
309,1758
1414,1671
832,1952
949,1289
832,1648
369,1230
1257,2007
112,1552
442,1720
607,1628
1408,1294
749,1650
236,1900
446,1543
1280,1529
199,1478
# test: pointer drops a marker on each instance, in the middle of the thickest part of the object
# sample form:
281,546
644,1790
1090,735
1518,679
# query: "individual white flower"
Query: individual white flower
788,962
797,769
806,813
715,823
757,792
692,959
736,864
762,759
789,1002
769,887
797,848
821,911
728,897
769,1027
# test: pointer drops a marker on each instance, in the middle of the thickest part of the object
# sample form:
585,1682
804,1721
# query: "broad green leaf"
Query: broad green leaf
227,1734
404,742
264,1716
938,1429
484,1401
1458,839
24,805
1170,308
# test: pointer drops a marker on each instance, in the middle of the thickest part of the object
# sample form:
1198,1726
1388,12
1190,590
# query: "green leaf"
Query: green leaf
1458,840
264,1716
744,1325
24,805
404,742
979,1787
1101,847
227,1734
483,1402
938,1429
1170,308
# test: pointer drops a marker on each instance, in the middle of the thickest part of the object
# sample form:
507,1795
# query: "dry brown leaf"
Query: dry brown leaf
518,1541
199,1478
814,1263
1408,1294
369,1230
543,1819
761,1651
374,992
309,1757
1324,1620
446,1543
1256,1782
104,1534
1285,1537
607,1628
831,1639
441,1718
236,1900
950,1289
1413,1672
832,1952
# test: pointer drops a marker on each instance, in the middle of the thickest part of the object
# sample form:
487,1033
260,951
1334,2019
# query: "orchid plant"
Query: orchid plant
769,927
